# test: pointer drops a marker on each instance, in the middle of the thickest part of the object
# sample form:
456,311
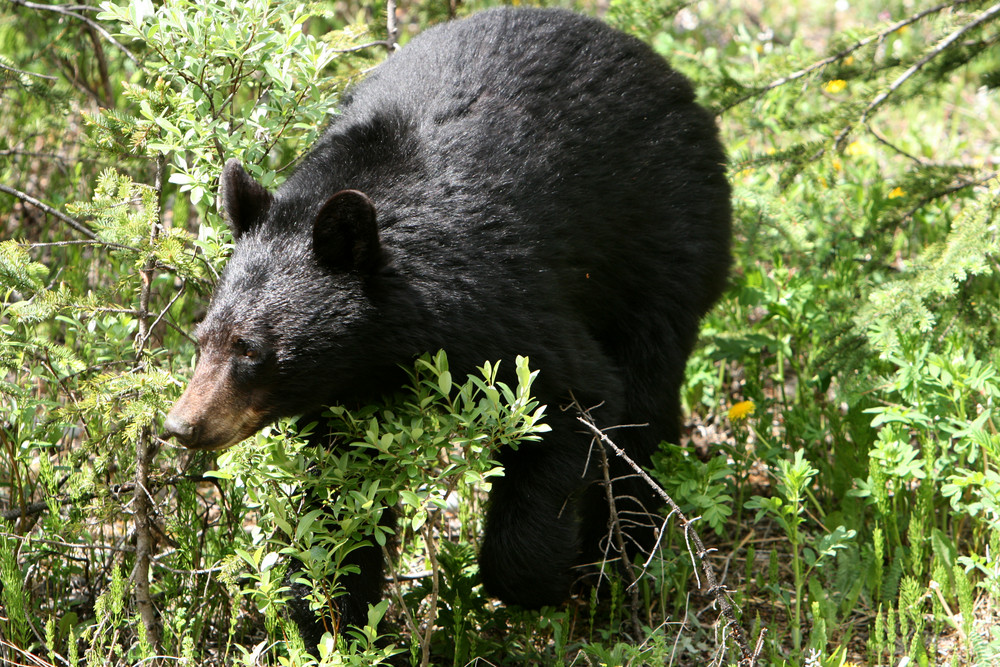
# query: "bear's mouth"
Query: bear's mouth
213,413
212,433
217,440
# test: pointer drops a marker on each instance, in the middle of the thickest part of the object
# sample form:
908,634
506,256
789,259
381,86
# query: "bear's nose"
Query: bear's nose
179,428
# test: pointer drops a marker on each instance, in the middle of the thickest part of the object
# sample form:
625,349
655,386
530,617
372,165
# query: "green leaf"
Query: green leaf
444,383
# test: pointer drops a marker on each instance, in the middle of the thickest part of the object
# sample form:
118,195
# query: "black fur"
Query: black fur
542,185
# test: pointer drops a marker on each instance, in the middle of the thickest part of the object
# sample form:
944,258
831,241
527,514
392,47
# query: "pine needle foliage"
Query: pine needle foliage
862,322
93,348
843,397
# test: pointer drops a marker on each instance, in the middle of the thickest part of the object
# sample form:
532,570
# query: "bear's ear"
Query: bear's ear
345,234
244,201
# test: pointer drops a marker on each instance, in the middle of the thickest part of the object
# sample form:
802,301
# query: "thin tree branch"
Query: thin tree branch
94,242
69,10
930,55
425,643
163,312
917,66
35,74
718,592
392,30
843,53
616,531
102,67
361,47
397,591
145,449
75,224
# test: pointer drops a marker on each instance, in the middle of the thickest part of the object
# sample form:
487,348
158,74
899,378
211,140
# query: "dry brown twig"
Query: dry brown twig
698,552
618,535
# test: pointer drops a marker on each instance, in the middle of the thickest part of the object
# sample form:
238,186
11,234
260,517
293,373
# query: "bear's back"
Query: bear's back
525,138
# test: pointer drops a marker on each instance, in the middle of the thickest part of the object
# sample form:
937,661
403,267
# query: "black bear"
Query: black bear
525,182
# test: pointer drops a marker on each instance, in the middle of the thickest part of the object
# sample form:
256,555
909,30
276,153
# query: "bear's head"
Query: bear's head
292,322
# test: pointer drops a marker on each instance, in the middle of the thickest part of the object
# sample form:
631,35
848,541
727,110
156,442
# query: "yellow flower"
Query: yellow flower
849,60
835,86
896,192
838,165
856,148
741,411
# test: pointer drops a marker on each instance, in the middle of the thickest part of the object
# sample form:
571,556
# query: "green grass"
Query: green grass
841,457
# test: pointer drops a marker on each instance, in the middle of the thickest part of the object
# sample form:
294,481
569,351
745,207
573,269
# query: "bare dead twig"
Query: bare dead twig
718,592
163,312
615,527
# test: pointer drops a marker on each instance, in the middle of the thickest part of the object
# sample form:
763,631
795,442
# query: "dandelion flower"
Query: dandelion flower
835,86
856,148
741,411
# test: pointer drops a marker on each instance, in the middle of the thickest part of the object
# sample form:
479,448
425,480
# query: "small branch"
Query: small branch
102,67
361,47
390,42
913,69
392,30
30,509
25,73
425,644
69,10
414,630
718,592
917,66
94,242
157,563
877,37
409,576
145,448
149,331
616,531
70,545
75,224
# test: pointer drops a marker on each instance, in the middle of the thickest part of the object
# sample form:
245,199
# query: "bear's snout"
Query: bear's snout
179,429
214,413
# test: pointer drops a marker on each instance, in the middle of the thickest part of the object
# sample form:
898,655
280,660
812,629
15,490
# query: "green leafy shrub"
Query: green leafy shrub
422,449
855,506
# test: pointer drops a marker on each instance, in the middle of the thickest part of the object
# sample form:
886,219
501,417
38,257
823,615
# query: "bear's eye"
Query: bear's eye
246,349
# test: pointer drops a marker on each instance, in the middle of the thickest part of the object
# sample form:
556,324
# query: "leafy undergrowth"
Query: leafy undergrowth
841,457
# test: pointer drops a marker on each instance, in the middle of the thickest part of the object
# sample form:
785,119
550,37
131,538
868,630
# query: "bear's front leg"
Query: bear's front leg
532,539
